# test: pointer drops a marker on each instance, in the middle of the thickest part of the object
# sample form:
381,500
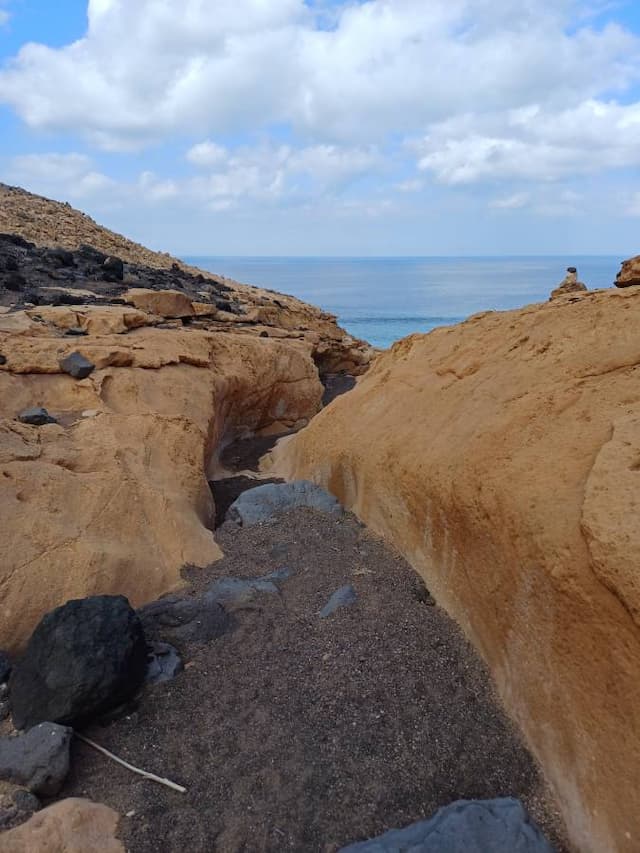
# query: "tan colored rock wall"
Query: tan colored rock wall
70,826
114,498
502,457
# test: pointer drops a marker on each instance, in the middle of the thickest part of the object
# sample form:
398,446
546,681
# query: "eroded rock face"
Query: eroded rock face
629,275
501,456
72,825
114,497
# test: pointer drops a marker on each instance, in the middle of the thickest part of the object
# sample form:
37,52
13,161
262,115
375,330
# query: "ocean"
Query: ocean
384,299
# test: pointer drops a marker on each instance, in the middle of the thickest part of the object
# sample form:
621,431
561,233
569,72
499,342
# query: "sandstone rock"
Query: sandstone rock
72,826
164,303
468,826
36,416
262,503
343,597
500,457
84,658
76,365
629,275
568,285
39,759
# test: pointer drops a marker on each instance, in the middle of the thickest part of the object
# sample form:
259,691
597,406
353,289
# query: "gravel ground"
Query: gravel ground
295,733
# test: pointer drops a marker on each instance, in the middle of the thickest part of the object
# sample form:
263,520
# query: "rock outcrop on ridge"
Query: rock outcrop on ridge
629,275
145,374
501,457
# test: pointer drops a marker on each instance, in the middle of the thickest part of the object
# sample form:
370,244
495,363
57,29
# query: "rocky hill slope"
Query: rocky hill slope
107,491
501,457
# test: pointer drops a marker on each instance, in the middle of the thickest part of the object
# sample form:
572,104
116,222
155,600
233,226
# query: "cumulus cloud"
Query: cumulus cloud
49,174
510,202
144,69
4,17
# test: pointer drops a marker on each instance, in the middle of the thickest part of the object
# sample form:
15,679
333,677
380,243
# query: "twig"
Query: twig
133,769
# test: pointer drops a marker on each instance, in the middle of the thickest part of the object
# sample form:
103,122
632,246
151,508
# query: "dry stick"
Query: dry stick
137,770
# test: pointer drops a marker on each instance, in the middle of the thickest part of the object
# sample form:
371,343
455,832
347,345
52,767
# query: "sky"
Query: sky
283,127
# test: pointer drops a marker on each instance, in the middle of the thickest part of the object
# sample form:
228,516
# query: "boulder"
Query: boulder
164,303
76,365
113,269
36,416
264,502
72,825
84,658
568,285
500,456
185,620
38,760
468,826
629,274
343,597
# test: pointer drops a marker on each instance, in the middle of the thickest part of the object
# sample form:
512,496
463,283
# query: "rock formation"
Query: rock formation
629,275
501,457
143,381
72,826
568,285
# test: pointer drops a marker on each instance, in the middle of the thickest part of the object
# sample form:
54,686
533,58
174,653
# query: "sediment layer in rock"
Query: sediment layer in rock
501,456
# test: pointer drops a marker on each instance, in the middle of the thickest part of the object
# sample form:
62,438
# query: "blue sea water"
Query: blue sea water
384,299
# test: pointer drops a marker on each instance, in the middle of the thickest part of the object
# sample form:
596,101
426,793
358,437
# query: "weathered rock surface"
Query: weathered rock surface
569,285
70,826
468,826
84,658
39,759
180,620
262,503
164,663
629,275
501,457
36,416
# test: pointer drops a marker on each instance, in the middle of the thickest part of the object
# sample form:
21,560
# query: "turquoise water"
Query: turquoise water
384,299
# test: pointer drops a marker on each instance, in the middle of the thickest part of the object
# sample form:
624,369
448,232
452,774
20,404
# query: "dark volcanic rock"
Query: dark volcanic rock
3,359
468,826
113,269
263,502
5,668
164,663
39,759
83,658
15,282
197,620
343,597
59,257
36,416
77,365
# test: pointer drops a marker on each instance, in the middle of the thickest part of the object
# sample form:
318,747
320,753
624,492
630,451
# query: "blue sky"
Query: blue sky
382,127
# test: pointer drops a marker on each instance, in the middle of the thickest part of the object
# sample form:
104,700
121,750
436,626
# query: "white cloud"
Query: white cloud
207,153
4,17
510,202
70,175
144,70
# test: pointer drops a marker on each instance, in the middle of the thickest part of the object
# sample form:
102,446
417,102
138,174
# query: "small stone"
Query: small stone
3,359
343,597
76,332
90,413
36,416
39,759
164,663
77,365
26,802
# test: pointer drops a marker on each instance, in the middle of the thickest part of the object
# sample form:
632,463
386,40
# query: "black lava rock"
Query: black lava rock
113,269
84,658
36,416
59,258
75,332
467,826
15,282
3,359
39,759
77,365
5,668
180,620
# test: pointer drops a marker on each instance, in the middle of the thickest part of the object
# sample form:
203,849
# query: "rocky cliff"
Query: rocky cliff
501,456
110,494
